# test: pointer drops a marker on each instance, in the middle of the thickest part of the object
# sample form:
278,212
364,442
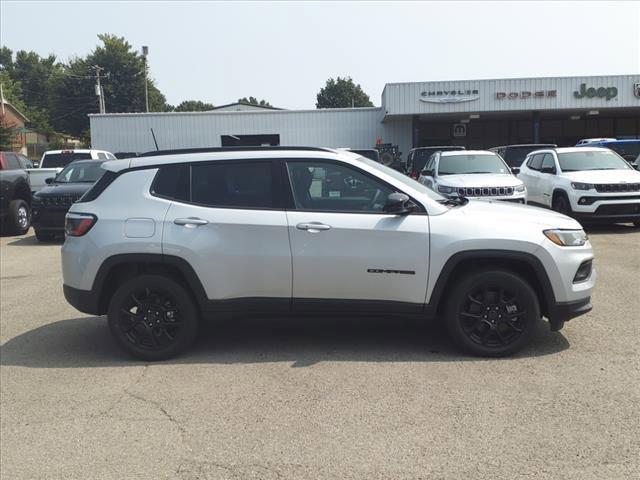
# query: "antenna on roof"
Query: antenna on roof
154,139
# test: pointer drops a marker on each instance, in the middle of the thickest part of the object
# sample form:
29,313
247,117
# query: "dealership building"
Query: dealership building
472,113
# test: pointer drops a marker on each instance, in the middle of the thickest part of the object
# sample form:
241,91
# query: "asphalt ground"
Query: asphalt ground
327,398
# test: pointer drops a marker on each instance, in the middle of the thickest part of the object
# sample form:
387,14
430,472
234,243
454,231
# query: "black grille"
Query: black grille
485,191
618,187
620,209
60,201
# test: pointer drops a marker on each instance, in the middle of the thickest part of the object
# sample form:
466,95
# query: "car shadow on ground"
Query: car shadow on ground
30,240
86,342
615,228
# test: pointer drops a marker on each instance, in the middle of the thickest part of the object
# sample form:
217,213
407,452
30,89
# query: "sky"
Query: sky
284,52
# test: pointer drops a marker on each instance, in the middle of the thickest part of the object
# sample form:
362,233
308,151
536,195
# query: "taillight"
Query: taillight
77,224
414,175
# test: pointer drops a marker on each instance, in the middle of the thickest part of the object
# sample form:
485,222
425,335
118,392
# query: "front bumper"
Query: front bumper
564,311
48,218
612,207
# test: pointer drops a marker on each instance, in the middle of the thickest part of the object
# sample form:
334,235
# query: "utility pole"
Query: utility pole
97,69
2,99
145,52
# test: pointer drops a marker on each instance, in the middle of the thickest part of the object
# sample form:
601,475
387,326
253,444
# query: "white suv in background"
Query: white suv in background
473,174
588,183
161,241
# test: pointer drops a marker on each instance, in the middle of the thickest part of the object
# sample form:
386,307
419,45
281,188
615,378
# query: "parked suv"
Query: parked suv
514,155
588,183
161,241
475,174
418,157
51,203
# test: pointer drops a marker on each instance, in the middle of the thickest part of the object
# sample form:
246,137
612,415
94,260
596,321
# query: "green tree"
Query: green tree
254,101
73,91
193,106
342,93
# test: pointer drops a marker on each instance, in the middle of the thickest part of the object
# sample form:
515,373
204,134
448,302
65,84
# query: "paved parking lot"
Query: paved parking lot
325,398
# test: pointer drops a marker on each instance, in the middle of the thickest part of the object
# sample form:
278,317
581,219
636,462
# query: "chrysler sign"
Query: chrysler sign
449,96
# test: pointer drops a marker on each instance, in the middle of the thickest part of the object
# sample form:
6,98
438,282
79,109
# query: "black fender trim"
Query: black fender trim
546,303
94,302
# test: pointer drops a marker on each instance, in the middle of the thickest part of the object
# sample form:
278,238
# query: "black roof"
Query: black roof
181,151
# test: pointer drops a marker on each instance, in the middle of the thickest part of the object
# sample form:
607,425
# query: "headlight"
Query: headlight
445,189
582,186
520,188
567,238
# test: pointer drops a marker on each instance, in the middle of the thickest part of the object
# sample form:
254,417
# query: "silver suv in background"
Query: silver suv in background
160,242
473,174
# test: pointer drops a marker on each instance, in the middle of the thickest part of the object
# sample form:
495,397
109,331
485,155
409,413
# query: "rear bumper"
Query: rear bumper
85,301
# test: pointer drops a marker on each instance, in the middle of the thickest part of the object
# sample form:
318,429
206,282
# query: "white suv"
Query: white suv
473,174
162,241
588,183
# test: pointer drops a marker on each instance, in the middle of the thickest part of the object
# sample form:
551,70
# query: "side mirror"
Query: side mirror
515,170
397,203
49,180
636,166
551,170
426,173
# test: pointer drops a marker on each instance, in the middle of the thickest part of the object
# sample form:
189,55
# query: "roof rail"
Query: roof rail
179,151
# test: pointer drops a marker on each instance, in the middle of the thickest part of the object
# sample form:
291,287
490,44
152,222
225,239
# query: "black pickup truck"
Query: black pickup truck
15,194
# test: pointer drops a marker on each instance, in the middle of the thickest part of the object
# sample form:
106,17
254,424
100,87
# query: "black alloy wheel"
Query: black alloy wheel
492,313
152,317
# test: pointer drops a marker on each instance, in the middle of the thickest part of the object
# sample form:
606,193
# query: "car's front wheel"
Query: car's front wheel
153,317
561,205
492,313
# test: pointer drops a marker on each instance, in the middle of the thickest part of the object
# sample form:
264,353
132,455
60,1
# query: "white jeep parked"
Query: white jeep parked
587,183
473,174
161,241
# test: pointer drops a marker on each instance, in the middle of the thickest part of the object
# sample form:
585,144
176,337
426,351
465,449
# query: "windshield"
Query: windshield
57,160
401,177
89,172
591,160
466,163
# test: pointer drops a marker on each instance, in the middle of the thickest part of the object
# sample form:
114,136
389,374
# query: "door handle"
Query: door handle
190,222
313,227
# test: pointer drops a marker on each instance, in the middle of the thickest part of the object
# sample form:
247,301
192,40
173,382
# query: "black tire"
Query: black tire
149,331
561,205
492,314
18,220
44,236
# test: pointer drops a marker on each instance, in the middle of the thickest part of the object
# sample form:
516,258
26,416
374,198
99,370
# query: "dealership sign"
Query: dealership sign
527,94
459,129
449,96
600,92
636,89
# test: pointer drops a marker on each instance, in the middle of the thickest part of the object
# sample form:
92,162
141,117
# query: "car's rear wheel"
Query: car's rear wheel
561,205
44,236
19,219
153,317
492,313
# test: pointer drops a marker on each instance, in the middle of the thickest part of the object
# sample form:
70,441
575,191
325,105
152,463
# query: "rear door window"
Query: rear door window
234,184
11,161
547,161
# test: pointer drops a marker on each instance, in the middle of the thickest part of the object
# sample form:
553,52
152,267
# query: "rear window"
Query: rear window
57,160
172,182
236,184
628,151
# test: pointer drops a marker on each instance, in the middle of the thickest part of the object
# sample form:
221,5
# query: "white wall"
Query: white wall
356,128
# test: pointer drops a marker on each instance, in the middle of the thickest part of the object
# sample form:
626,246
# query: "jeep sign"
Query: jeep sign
600,92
